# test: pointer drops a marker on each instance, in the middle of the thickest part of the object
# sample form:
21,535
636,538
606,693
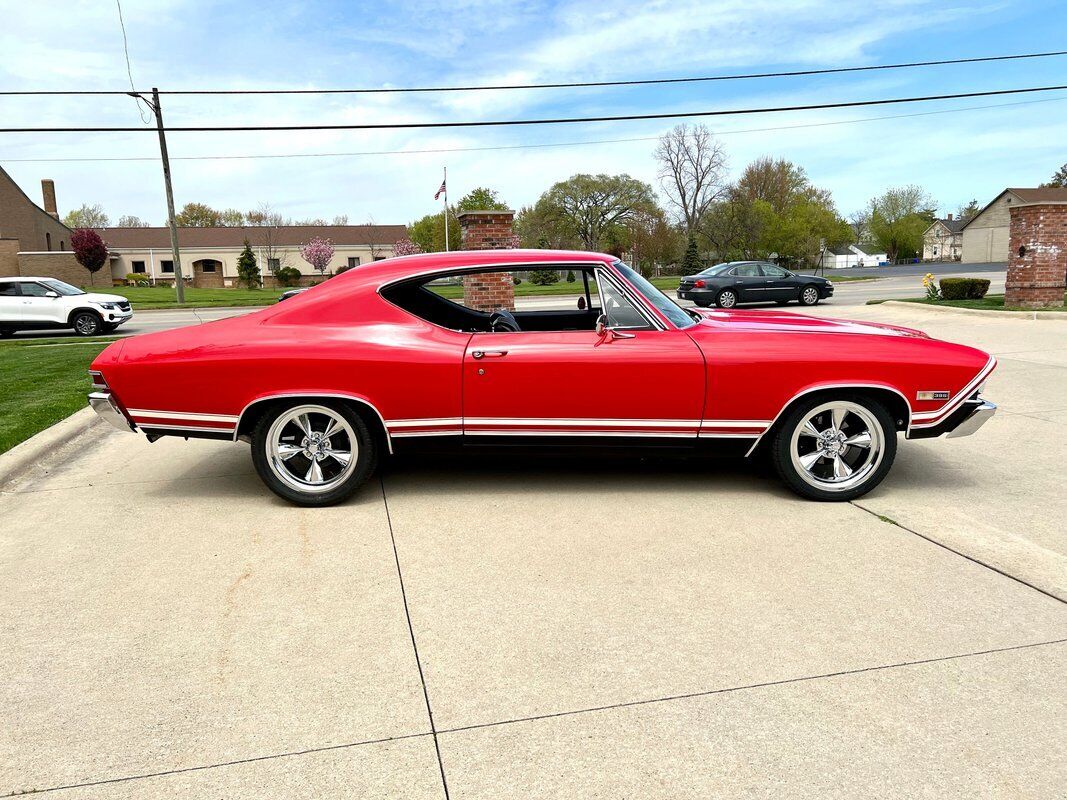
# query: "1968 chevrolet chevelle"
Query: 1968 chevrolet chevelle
427,349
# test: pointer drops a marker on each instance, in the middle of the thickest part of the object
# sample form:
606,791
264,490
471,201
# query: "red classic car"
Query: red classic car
434,349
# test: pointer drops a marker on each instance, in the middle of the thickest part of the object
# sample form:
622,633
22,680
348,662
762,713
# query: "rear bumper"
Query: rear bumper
964,421
104,405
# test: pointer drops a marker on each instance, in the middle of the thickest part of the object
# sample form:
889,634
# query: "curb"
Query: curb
203,308
24,455
977,312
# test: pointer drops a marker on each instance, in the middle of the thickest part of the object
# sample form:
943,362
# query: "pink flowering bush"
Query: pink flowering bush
89,250
406,247
317,253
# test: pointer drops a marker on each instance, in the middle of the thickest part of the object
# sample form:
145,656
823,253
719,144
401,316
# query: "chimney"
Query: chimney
48,191
488,230
950,216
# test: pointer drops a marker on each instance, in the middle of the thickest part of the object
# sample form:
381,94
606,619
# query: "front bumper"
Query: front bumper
104,405
116,318
975,420
964,421
826,291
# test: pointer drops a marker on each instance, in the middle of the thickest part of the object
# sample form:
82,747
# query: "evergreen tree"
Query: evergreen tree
691,263
247,268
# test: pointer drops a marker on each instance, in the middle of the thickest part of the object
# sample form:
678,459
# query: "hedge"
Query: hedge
963,288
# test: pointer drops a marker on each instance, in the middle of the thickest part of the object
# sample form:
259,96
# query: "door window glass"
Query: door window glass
747,271
772,271
9,289
34,290
620,312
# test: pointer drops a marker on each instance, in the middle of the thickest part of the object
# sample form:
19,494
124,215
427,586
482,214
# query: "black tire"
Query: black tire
809,295
87,323
782,302
365,462
702,303
6,333
727,298
788,469
107,327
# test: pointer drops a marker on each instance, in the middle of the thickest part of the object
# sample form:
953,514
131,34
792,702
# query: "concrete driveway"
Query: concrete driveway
586,629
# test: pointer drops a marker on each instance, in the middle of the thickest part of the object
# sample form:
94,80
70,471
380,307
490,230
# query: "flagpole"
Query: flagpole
445,184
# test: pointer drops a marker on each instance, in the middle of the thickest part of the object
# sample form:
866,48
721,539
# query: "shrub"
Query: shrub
570,276
517,280
137,279
287,276
544,277
964,288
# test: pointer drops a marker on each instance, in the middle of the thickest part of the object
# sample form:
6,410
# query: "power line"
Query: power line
129,70
570,85
547,121
523,146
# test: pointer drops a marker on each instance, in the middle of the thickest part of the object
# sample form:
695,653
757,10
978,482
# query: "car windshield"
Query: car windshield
61,288
671,310
717,269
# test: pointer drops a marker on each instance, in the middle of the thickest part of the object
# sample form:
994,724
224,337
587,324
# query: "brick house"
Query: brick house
986,235
943,240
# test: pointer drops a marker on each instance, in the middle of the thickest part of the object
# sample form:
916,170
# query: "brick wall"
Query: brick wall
65,267
488,230
9,258
1037,265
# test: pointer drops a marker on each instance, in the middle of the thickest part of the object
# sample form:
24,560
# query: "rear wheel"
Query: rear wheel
313,454
87,323
809,296
727,299
835,449
6,333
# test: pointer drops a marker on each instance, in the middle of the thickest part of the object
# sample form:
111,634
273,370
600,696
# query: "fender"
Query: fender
311,393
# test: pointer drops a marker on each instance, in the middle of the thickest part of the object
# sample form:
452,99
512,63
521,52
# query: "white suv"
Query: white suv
28,303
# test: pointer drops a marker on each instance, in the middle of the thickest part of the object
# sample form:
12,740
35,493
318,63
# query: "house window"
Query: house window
353,261
274,264
167,266
62,245
48,240
138,267
380,258
208,266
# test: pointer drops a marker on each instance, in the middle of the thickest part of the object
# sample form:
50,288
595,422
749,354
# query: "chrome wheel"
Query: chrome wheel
312,448
727,299
86,324
810,296
837,446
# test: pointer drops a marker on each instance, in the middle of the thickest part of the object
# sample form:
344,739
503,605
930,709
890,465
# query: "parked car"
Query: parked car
388,358
726,285
44,303
292,293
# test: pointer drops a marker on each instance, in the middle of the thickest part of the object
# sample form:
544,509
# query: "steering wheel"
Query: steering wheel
503,321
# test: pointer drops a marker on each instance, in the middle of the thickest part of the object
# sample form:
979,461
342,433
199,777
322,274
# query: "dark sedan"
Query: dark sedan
735,282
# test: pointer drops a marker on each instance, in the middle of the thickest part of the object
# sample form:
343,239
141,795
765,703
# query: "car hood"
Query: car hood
787,322
98,297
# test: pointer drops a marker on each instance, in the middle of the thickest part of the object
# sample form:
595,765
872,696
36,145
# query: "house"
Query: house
209,255
985,235
943,240
853,255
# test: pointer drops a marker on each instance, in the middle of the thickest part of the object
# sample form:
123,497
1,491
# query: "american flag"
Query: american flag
440,191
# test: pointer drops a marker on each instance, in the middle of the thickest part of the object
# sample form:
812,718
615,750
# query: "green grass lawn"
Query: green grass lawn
991,302
145,297
44,380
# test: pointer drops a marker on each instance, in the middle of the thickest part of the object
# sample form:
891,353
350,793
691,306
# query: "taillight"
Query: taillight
699,284
98,379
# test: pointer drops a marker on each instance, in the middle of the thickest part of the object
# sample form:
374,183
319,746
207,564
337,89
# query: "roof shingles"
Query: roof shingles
283,236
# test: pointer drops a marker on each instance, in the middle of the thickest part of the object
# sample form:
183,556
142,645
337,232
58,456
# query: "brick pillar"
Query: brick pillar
1037,265
488,230
48,195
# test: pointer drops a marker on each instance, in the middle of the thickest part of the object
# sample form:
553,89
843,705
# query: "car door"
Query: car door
778,283
10,302
636,379
748,281
38,308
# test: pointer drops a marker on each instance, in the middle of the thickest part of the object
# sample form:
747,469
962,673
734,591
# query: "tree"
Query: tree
537,229
692,171
264,216
773,180
654,241
966,212
130,221
481,199
197,215
247,268
340,219
899,218
589,206
691,263
1058,179
317,253
87,217
543,277
89,250
231,218
406,247
429,232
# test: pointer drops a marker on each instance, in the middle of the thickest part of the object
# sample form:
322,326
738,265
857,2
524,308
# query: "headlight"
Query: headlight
109,306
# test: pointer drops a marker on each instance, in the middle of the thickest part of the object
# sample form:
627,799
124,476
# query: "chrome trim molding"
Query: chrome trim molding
427,422
926,419
982,414
623,434
582,422
150,414
198,428
311,395
105,407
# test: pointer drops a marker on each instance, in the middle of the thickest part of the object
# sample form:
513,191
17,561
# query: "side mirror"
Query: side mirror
581,304
602,325
51,294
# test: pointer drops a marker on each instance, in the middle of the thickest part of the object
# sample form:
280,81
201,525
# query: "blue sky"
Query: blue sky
956,156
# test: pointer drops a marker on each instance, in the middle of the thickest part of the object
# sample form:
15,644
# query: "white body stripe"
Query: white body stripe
154,426
146,414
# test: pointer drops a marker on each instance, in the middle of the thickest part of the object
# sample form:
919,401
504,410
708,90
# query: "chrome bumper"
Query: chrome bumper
979,417
103,405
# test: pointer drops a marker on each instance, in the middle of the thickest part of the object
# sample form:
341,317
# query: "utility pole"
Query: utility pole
179,285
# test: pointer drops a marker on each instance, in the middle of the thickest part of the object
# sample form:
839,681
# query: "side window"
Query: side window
771,271
747,271
618,308
30,289
9,289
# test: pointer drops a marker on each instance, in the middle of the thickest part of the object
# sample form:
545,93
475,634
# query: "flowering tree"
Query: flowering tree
317,253
406,247
89,249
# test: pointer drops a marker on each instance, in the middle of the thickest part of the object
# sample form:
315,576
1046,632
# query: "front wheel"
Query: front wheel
6,333
313,454
835,449
87,323
727,299
809,296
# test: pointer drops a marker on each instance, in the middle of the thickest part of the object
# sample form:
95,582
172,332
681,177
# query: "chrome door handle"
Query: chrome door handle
489,353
